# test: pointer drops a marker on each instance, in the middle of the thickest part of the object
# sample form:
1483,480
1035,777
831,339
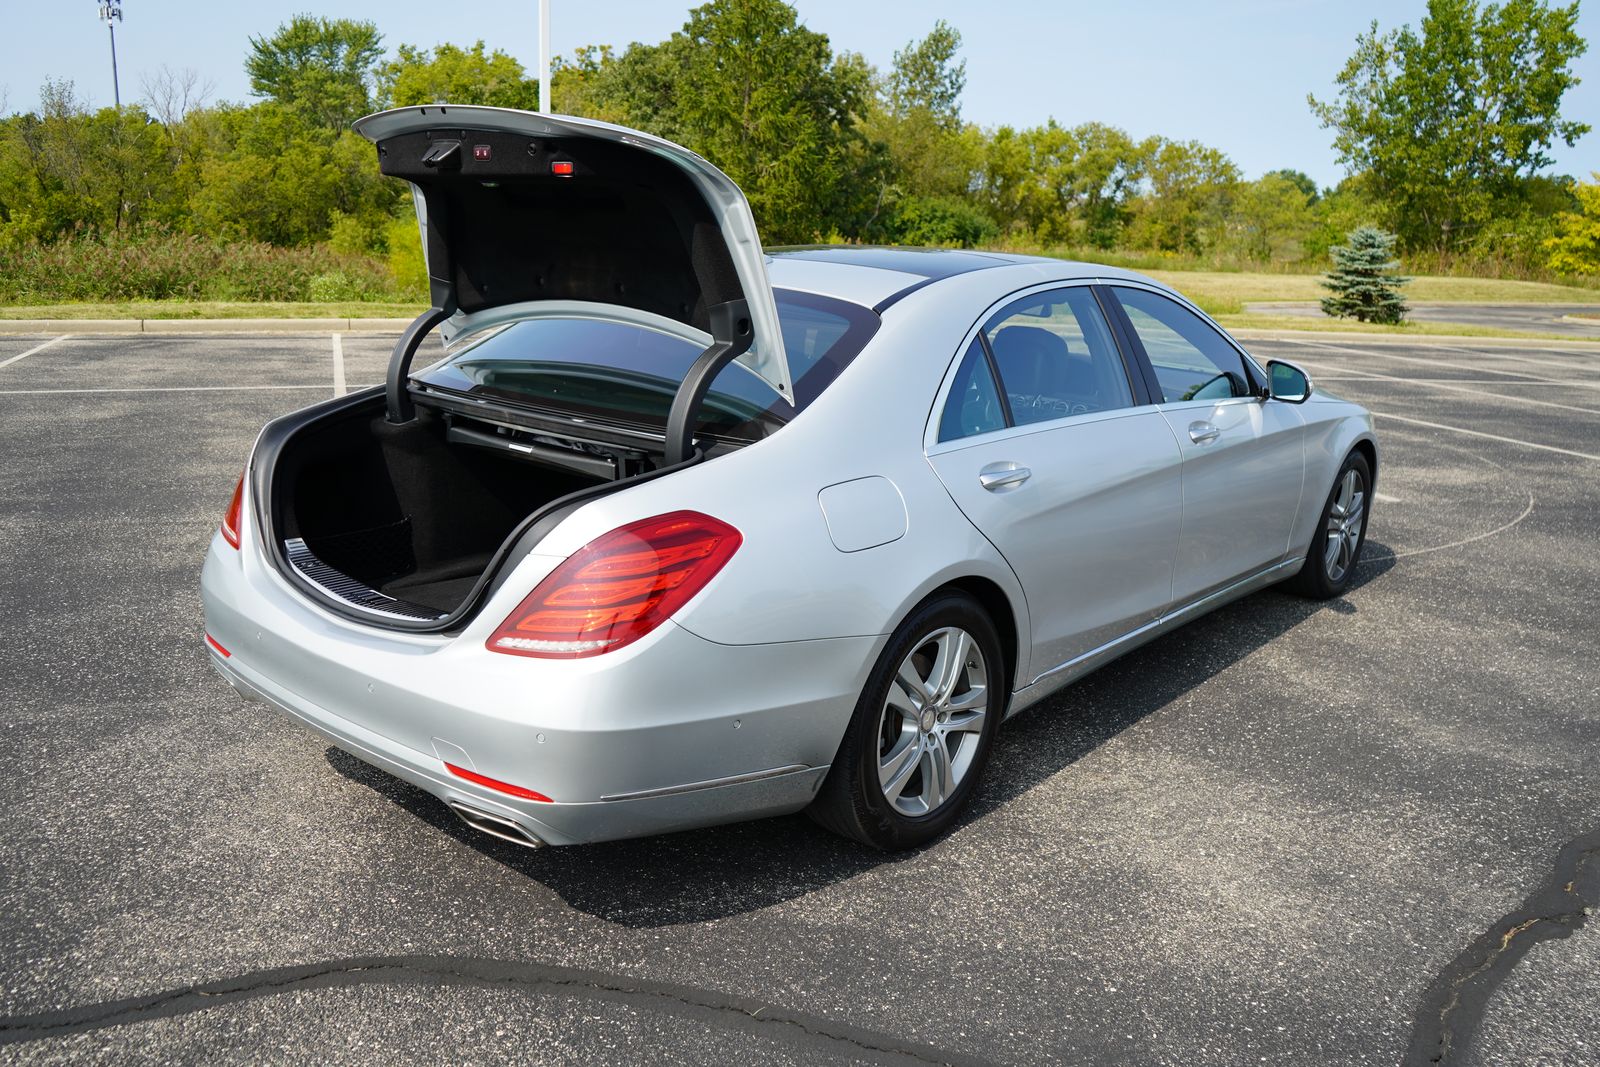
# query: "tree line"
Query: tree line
1445,131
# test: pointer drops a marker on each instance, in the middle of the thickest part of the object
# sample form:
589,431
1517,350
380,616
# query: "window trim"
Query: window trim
931,445
1256,375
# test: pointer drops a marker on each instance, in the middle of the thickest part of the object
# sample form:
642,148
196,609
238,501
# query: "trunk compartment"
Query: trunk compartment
414,513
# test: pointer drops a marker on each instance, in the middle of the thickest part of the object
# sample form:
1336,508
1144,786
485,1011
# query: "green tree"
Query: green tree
1300,180
926,220
1575,249
1271,217
1448,122
762,97
280,179
916,117
451,74
1189,192
321,68
1363,282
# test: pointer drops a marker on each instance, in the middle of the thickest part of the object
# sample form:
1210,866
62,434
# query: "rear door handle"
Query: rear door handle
998,476
1201,432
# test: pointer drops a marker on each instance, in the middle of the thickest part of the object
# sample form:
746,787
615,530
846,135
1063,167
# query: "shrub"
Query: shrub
172,267
1363,283
925,220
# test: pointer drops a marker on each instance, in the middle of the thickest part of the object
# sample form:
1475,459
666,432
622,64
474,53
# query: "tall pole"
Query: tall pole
111,12
116,88
544,56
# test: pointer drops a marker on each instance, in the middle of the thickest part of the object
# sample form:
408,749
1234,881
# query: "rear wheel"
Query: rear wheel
1341,532
921,731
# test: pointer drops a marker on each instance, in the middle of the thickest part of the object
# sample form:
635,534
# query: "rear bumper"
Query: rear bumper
670,733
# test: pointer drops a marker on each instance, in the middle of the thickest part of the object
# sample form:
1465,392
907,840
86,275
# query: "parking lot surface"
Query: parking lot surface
1291,833
1578,321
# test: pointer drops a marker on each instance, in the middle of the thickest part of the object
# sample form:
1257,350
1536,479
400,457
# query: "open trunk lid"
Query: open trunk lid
525,214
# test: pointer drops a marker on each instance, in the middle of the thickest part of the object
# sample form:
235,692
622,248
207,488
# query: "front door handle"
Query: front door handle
1201,432
998,476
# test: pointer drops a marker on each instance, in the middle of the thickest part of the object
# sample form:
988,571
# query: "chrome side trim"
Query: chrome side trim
690,787
356,594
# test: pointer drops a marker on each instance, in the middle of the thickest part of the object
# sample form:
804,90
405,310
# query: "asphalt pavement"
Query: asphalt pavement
1578,321
1291,833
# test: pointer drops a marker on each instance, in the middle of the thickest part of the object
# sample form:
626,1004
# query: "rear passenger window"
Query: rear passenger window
1056,357
974,406
1192,361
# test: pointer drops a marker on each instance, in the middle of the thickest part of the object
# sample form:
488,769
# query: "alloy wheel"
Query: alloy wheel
932,721
1345,516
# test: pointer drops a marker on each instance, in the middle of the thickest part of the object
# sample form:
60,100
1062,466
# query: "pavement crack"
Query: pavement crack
1454,1003
809,1033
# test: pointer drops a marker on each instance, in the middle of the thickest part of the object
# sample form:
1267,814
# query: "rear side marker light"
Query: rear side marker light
217,645
618,587
231,518
497,785
561,168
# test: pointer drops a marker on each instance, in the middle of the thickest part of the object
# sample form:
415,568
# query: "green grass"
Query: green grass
1226,292
204,309
1248,321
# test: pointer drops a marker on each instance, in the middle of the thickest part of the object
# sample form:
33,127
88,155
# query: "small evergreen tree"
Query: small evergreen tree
1361,280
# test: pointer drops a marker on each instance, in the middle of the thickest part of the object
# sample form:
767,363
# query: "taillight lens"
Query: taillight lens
230,519
618,587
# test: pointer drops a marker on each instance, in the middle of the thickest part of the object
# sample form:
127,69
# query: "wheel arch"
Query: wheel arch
998,607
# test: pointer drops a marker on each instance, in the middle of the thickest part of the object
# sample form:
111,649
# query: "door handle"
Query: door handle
1201,432
998,476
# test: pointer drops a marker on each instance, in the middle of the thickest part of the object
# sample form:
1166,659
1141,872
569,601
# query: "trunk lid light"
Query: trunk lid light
618,587
231,517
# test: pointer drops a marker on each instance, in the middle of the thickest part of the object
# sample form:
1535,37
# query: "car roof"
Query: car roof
877,276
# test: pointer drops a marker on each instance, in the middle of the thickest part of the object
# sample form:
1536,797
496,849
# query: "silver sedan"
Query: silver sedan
677,531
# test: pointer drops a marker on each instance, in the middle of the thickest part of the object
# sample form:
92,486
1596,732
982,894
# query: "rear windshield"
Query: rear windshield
629,374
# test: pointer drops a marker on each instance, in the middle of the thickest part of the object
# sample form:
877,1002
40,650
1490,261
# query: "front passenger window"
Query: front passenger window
1191,360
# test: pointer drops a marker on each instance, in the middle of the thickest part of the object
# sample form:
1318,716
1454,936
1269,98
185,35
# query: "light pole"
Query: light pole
544,56
111,12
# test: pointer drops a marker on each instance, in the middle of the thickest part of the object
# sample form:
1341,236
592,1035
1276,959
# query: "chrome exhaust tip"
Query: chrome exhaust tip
494,825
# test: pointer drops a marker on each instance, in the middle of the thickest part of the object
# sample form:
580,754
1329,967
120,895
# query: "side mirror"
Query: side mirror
1287,382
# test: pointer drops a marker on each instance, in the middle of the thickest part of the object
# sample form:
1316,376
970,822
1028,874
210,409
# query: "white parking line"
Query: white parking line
1447,363
35,348
338,365
1490,436
1385,498
1461,389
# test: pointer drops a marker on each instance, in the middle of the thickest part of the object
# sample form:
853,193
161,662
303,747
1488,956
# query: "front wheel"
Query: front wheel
1342,531
921,730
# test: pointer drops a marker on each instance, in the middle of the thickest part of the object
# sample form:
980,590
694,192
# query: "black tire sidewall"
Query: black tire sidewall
882,825
1319,581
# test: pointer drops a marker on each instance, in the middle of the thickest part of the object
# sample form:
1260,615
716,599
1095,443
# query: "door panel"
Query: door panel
1091,530
1241,489
1243,458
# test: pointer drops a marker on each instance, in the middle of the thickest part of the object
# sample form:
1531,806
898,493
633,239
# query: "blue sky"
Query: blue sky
1231,73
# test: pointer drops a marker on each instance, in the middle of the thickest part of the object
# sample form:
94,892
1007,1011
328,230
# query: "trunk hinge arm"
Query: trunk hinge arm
731,337
401,409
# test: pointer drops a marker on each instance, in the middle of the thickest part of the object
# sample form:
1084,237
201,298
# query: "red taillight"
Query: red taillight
496,784
230,519
618,587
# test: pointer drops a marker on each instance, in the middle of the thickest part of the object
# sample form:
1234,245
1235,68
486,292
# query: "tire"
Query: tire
1331,567
934,750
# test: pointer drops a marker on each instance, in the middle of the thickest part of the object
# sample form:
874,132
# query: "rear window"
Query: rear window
629,374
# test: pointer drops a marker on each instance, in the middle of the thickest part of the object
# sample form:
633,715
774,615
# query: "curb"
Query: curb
88,326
